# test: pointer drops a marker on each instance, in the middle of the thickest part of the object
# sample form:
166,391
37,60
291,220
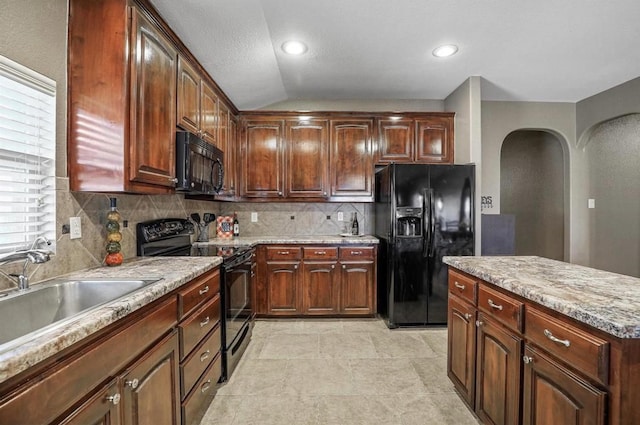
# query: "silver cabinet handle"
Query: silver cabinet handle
459,285
467,316
283,252
295,267
324,193
205,386
549,335
356,252
494,305
279,193
204,290
204,322
333,266
479,323
344,266
320,252
132,383
113,399
204,356
527,359
173,179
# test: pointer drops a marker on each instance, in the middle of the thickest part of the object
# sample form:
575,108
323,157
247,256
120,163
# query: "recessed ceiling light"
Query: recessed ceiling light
446,50
294,47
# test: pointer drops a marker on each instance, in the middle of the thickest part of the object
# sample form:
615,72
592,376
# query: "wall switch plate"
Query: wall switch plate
591,203
340,216
254,217
75,228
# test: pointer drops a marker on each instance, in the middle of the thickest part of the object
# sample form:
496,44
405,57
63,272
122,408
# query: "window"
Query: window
27,156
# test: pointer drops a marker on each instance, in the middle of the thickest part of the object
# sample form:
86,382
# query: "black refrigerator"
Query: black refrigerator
422,213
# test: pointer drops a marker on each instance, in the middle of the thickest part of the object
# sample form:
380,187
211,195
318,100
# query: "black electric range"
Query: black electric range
171,237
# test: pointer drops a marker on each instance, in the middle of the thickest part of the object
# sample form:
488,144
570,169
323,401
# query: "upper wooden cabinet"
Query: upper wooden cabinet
209,115
307,154
227,139
350,159
262,158
425,138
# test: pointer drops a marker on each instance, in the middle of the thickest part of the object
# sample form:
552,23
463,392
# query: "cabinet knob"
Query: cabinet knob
173,179
467,316
324,193
113,399
333,266
279,193
132,383
344,266
527,359
479,323
295,267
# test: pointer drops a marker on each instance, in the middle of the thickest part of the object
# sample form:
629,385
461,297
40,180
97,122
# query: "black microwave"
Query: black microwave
199,165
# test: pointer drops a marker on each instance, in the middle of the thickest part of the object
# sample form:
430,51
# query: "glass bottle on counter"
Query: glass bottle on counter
236,225
355,228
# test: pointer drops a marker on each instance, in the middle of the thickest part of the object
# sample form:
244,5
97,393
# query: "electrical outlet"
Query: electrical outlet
591,203
75,228
340,216
254,217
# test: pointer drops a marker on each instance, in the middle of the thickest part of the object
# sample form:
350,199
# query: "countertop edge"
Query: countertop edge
15,360
580,311
301,240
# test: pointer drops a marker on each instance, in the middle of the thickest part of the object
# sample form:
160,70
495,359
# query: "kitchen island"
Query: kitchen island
538,341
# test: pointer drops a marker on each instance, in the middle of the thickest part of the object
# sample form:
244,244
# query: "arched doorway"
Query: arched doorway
532,188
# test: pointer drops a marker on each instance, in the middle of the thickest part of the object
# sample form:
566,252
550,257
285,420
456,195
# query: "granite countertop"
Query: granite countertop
180,270
607,301
311,239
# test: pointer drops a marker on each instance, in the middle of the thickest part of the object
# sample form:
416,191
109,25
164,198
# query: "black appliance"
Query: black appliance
172,237
199,165
422,213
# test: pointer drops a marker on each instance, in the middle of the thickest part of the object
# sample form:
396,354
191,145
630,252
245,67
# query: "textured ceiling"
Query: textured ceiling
545,50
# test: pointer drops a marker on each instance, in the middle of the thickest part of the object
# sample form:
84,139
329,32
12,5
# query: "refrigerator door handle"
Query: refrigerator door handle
432,224
426,229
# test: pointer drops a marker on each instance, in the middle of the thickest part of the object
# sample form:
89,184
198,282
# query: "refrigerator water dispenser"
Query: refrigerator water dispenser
409,221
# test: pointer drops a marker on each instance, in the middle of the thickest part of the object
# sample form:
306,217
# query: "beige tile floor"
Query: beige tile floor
340,372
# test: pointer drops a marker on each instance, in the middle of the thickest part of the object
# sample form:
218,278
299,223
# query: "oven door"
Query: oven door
237,299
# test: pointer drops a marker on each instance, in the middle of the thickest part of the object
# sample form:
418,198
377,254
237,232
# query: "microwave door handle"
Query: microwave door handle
219,179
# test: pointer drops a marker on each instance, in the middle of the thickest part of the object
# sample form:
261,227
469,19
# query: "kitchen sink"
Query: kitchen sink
53,303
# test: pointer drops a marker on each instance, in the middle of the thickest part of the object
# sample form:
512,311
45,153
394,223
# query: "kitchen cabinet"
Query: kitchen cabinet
227,135
553,393
262,159
135,371
424,138
209,114
533,366
351,160
307,154
318,280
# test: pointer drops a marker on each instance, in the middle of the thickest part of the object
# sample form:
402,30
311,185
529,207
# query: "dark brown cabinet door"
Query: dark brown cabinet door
188,97
356,288
461,346
153,105
396,139
498,374
228,138
552,394
282,281
101,409
209,115
350,159
150,386
262,159
434,139
307,156
320,288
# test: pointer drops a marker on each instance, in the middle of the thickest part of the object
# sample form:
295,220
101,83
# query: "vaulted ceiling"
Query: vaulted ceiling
545,50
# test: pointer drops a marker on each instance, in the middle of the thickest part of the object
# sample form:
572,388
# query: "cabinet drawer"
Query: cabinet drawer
198,291
320,253
199,359
196,326
198,400
284,253
356,253
463,286
586,353
502,307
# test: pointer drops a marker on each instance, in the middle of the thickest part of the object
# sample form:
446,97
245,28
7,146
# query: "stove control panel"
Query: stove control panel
154,230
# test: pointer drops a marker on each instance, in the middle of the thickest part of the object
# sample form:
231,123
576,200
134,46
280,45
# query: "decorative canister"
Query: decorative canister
114,237
224,228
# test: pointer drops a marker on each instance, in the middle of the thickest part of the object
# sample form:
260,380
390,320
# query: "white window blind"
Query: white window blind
27,156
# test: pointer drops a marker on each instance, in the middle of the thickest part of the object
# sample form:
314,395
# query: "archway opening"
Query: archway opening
532,188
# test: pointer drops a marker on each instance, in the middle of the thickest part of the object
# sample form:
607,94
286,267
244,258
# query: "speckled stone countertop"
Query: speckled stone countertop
607,301
180,270
257,240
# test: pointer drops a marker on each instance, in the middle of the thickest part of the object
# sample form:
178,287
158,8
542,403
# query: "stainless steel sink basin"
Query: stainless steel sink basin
53,302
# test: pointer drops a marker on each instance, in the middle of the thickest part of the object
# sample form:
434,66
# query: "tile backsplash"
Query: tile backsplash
89,251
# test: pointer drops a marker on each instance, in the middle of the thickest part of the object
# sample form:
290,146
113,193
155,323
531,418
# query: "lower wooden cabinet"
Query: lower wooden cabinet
315,281
101,409
461,346
553,394
498,367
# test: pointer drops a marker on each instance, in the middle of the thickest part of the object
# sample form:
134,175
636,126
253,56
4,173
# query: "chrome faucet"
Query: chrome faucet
31,255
